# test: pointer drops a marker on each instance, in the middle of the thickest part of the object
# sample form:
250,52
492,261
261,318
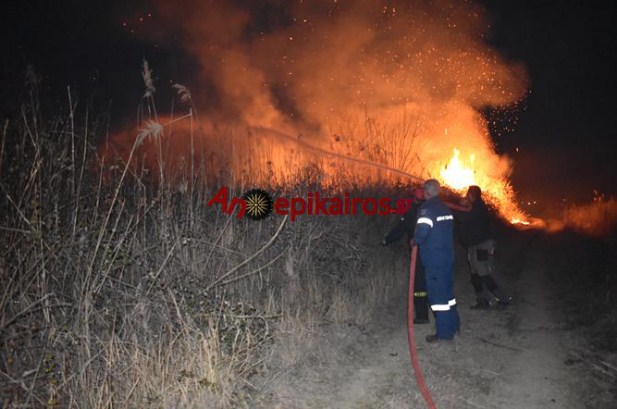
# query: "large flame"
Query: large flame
459,176
456,175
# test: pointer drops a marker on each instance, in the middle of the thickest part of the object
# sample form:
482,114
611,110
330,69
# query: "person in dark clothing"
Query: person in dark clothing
406,227
475,234
434,235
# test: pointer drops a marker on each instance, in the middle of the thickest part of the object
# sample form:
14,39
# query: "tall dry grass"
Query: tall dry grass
121,292
598,218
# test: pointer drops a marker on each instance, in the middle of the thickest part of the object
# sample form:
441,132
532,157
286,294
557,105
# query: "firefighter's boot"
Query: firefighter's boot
484,300
503,299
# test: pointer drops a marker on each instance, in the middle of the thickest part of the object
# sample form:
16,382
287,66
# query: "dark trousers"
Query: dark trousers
478,282
420,298
481,266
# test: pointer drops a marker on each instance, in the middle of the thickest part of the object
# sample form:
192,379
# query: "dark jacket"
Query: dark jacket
475,225
434,233
406,225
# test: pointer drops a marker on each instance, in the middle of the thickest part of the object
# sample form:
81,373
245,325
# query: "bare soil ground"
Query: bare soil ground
523,356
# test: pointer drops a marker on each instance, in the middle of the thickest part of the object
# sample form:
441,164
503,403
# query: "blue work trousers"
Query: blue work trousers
439,285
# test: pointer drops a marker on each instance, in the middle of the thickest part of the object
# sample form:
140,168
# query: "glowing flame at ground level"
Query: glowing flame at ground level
497,190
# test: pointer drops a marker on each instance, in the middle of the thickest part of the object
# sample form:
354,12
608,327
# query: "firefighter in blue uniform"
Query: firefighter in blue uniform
406,227
434,236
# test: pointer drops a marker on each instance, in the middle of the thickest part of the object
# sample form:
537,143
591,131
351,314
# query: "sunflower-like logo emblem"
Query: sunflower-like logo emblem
258,204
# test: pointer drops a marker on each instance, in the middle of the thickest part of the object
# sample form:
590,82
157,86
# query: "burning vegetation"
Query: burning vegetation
363,91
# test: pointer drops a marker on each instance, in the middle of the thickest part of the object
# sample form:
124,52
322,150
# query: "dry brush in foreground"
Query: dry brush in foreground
119,294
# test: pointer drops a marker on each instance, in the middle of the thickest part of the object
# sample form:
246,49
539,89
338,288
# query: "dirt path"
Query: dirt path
519,357
539,374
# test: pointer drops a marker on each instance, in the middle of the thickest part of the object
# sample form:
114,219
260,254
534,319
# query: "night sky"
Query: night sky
567,123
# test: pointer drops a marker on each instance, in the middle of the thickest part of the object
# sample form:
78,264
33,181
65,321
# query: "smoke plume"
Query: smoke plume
325,69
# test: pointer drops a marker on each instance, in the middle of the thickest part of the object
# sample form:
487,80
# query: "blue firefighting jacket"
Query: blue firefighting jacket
434,233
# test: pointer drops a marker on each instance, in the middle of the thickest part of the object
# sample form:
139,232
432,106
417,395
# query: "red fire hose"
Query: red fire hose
413,353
